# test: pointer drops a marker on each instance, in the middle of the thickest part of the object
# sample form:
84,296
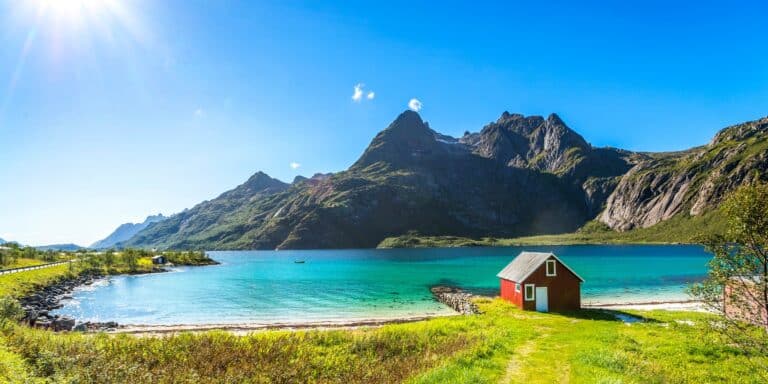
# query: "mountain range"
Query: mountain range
68,247
517,176
126,231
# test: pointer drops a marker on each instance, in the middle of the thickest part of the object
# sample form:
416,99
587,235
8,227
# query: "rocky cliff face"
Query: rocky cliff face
690,182
517,176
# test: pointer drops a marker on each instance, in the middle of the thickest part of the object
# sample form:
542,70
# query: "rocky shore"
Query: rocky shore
455,298
38,305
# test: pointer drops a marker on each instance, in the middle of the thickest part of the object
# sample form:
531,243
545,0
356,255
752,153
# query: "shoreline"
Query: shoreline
452,297
39,305
245,328
675,305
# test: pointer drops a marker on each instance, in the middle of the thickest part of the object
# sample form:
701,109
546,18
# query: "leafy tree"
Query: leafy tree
10,310
131,258
737,284
109,258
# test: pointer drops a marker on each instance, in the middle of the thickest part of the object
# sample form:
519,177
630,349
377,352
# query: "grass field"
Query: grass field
678,229
23,262
503,345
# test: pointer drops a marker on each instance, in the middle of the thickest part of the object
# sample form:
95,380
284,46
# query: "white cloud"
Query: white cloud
414,105
199,112
295,165
357,95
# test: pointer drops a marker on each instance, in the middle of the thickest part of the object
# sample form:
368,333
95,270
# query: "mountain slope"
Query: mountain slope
126,231
518,176
691,182
215,223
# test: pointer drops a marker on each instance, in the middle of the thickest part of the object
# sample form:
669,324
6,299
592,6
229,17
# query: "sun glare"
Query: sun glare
92,19
72,10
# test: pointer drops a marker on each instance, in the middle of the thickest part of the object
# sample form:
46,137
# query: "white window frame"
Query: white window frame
554,267
532,297
517,287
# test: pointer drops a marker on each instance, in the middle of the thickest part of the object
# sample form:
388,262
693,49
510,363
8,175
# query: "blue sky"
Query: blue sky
111,110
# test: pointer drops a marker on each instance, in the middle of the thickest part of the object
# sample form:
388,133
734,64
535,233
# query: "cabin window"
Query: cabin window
551,268
530,292
517,287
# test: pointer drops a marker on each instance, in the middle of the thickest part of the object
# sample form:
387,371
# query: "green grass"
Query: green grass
23,262
503,344
678,229
22,283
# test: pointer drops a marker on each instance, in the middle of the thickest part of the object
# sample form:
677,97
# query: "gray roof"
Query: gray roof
526,263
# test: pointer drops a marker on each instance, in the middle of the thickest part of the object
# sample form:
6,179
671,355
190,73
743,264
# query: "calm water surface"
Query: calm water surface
267,286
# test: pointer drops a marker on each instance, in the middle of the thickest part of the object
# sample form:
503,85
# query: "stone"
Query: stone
63,324
455,298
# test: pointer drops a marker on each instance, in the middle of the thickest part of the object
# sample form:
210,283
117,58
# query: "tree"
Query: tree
737,284
131,258
109,258
10,310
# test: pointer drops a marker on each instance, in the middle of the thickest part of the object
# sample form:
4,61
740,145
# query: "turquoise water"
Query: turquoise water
268,287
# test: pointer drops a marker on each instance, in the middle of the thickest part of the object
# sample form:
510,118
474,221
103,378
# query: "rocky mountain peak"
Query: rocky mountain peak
741,131
407,117
405,140
259,182
154,218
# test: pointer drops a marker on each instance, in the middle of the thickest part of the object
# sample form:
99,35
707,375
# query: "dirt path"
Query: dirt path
512,374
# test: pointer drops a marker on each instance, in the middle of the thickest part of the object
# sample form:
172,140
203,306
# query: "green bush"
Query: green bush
10,309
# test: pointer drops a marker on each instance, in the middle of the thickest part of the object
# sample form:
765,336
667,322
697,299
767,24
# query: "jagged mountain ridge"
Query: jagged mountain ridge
517,176
126,231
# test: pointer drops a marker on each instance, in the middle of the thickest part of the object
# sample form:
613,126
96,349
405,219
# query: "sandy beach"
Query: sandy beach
245,328
685,305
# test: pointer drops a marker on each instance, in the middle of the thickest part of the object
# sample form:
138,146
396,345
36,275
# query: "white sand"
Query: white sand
689,305
244,328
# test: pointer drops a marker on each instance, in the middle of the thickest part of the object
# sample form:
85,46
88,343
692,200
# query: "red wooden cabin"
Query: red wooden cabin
540,281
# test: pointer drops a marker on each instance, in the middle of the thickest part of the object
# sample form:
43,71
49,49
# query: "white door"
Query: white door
542,301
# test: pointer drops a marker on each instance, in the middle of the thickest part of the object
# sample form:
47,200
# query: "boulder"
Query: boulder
63,324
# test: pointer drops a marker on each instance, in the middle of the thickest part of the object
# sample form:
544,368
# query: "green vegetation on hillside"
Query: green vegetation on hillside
503,344
12,255
679,229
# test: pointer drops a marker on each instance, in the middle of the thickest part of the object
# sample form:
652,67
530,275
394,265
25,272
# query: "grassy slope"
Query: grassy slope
679,229
501,345
21,283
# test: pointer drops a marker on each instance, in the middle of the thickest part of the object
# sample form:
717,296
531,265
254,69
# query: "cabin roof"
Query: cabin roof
526,263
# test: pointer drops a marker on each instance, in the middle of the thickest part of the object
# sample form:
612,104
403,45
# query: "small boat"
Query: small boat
299,261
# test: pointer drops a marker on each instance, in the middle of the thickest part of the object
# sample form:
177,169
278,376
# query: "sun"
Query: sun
83,18
73,10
